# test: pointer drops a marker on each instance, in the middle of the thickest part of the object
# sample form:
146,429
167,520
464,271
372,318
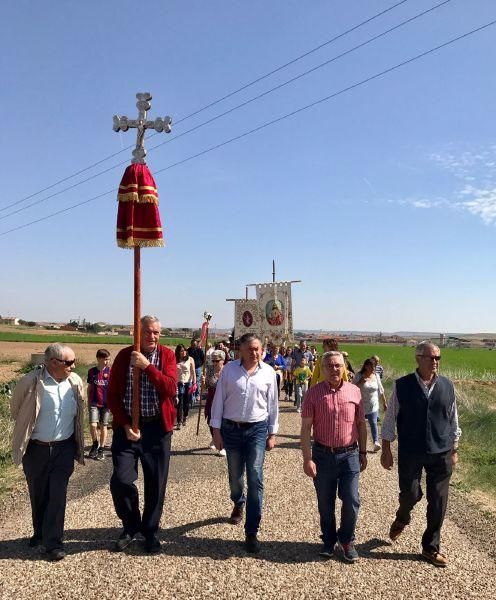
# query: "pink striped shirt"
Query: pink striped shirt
335,414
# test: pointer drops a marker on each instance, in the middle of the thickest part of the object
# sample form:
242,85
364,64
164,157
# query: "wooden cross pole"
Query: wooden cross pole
139,153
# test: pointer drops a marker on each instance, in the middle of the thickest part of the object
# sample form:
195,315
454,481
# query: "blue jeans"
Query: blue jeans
245,449
337,473
372,419
198,383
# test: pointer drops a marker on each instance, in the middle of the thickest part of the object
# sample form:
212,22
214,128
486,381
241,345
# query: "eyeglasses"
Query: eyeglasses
67,363
431,358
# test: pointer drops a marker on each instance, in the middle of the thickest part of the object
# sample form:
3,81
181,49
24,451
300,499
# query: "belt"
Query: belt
338,449
150,419
50,444
239,424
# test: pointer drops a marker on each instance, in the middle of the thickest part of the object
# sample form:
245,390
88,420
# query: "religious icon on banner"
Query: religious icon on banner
247,318
274,312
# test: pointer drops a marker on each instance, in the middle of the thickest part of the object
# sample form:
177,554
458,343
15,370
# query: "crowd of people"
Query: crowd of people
242,386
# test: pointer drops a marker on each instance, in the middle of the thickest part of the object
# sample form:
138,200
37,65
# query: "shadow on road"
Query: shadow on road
178,542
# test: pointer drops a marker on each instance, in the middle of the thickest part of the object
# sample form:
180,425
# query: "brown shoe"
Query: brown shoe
237,514
435,558
396,530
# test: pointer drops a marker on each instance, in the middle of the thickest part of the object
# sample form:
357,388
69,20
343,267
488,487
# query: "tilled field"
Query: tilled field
203,556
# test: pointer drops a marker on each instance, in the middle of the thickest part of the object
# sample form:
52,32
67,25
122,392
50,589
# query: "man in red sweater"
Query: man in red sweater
151,443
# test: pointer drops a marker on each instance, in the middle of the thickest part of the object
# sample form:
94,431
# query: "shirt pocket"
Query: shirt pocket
347,411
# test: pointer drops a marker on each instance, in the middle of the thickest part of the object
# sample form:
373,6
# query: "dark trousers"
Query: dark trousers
183,399
153,450
47,470
438,469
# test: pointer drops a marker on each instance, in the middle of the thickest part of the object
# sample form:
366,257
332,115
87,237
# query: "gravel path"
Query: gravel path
203,556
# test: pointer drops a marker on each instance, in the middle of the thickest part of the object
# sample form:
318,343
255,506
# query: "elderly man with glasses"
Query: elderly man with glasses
48,408
333,410
423,411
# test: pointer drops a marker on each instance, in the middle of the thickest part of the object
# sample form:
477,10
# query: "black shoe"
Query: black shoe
252,544
93,451
327,552
100,455
237,514
152,545
55,554
124,541
34,542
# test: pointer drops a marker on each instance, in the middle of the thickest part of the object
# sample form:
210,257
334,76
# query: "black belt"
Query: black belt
338,449
240,424
54,443
150,419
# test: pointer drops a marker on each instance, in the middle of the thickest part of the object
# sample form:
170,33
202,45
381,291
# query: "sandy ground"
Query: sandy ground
203,556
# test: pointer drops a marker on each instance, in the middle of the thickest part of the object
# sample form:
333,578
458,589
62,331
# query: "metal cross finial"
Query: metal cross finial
141,124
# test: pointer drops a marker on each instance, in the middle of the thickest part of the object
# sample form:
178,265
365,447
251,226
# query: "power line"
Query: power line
237,107
213,103
278,119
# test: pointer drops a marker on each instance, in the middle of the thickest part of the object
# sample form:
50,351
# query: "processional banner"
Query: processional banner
276,312
246,317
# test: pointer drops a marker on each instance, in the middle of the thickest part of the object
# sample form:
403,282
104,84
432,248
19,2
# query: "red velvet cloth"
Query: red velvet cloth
138,218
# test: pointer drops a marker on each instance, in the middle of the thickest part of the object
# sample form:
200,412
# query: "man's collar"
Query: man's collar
335,389
428,383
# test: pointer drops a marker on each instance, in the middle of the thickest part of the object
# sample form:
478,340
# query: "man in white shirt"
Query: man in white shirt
244,419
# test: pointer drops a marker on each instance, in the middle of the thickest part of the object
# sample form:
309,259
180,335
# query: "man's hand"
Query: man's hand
132,435
309,468
363,461
454,457
139,360
218,441
271,442
386,457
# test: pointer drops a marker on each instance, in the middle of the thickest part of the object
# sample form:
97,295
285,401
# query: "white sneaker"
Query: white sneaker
212,445
377,447
222,452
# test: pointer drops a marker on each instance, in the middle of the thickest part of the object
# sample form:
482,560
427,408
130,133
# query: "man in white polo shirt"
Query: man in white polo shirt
245,422
48,408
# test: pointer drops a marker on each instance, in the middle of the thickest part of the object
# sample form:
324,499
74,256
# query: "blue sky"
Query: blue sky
382,200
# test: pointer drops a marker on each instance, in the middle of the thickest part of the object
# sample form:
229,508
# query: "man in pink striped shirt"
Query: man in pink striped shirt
334,411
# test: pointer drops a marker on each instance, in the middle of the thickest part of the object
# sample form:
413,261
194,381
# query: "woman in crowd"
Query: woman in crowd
186,379
212,375
277,362
287,374
371,388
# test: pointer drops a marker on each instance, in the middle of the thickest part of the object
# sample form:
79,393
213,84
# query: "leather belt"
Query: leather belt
240,424
338,449
50,444
150,419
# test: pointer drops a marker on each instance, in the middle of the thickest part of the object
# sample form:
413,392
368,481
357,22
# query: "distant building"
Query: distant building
9,321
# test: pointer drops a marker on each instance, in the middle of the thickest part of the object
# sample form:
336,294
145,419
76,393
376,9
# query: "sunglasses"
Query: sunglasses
217,360
431,358
67,363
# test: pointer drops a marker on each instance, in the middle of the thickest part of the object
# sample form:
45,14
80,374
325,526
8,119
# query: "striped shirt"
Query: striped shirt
335,414
149,396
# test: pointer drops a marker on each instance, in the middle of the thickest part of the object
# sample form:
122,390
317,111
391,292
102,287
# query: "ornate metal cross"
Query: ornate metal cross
141,124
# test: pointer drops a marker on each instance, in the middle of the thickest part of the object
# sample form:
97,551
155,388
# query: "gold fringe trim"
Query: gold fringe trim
133,197
135,186
131,243
121,230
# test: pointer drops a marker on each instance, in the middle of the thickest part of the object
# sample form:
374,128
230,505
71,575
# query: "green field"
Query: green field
398,360
47,338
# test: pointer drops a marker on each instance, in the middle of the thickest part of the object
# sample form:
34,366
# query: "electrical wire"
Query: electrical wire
203,108
237,107
278,119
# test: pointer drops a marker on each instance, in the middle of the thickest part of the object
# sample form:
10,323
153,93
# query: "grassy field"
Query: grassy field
102,340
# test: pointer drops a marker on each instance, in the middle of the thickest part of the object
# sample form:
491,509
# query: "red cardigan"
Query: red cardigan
165,381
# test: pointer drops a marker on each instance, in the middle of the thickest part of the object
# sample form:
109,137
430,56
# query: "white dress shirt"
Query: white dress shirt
246,398
55,421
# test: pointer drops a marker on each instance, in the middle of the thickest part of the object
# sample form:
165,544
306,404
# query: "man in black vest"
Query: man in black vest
423,411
